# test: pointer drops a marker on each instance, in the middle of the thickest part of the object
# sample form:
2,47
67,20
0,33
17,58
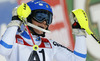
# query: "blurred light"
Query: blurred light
1,1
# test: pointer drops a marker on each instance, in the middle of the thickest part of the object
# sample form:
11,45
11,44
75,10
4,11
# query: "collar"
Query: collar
26,35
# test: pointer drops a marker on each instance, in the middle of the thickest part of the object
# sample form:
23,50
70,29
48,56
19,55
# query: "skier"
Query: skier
20,47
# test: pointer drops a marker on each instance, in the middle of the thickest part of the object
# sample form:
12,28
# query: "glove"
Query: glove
23,11
82,19
15,20
19,14
76,26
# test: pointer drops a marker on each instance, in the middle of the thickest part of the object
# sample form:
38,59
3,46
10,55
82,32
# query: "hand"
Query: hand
23,11
82,19
14,14
15,20
77,27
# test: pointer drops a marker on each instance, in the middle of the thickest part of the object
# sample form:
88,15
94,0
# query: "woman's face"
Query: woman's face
39,24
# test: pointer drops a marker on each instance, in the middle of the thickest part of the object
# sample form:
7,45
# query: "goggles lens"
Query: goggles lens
41,16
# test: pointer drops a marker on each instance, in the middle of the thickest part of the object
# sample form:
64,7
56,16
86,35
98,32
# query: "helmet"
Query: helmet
35,5
40,11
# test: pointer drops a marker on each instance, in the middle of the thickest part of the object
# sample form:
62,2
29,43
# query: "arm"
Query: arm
79,54
80,47
8,39
80,50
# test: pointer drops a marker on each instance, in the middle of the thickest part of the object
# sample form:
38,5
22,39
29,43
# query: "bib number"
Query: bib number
35,57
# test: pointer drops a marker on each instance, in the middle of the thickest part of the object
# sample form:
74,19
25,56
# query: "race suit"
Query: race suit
19,47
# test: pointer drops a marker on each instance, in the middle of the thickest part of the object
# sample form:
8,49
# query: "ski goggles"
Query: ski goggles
41,16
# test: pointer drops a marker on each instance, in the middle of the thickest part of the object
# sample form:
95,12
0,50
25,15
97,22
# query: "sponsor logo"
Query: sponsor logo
20,41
